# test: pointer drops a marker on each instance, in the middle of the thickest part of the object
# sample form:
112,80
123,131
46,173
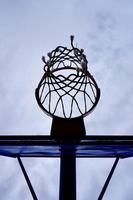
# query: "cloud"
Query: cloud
28,30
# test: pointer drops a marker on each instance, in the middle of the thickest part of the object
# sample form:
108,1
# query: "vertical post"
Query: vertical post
66,131
67,175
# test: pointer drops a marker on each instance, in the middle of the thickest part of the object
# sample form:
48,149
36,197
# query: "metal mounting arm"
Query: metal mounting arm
108,179
27,179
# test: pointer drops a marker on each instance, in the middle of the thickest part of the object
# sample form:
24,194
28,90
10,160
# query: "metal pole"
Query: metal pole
27,179
67,175
108,179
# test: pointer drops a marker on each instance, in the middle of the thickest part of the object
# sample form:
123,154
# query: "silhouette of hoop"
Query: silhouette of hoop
67,89
71,86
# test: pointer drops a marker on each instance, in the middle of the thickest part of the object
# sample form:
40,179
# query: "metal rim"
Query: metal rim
48,73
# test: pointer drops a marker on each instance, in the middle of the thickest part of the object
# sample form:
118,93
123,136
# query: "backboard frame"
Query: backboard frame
45,146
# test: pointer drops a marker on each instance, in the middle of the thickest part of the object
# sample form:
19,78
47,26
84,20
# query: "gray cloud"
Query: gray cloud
29,29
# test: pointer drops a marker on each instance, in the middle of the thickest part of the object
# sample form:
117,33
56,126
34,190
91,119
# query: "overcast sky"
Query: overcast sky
30,29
